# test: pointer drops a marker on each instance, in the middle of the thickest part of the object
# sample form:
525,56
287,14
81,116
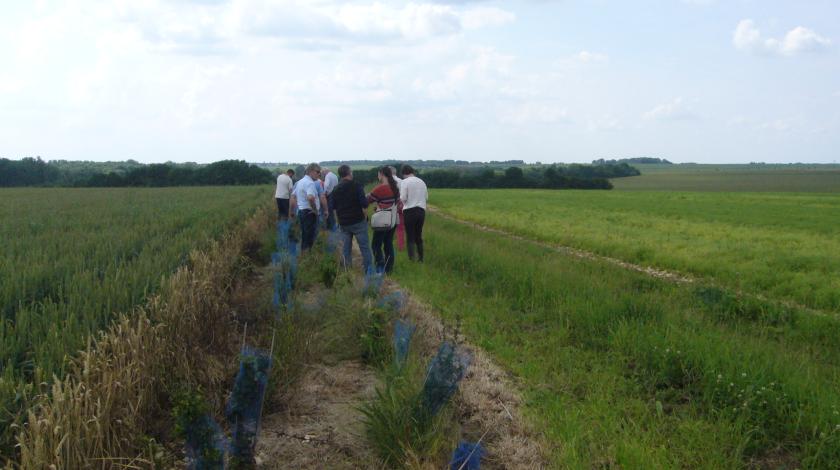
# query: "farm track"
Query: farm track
319,425
664,274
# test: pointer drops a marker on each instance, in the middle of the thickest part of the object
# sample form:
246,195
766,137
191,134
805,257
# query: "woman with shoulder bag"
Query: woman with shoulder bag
384,219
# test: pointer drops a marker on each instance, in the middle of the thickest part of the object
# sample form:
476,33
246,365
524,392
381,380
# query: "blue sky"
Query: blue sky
551,81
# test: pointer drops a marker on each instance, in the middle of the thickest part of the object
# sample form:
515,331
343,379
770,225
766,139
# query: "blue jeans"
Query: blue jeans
360,231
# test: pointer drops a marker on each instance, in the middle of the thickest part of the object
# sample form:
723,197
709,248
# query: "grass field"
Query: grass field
735,178
785,246
621,370
74,258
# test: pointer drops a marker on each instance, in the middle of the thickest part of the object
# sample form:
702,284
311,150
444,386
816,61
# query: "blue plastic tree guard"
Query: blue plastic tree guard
333,240
373,283
278,286
206,445
447,368
283,229
244,408
282,292
394,301
402,340
467,456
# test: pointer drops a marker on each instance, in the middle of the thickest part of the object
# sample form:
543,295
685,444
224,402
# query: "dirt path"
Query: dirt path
320,427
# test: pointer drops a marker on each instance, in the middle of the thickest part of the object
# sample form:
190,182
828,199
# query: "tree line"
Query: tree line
36,172
574,176
647,160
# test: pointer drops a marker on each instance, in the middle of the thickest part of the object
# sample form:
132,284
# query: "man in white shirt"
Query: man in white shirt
305,199
330,182
283,193
413,194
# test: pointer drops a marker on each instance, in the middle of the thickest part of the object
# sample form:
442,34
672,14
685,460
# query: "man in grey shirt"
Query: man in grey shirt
330,182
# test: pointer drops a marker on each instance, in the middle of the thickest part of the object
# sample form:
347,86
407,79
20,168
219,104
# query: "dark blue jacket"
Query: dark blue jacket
349,201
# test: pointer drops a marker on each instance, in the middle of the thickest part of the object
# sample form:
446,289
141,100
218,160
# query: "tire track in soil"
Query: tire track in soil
673,276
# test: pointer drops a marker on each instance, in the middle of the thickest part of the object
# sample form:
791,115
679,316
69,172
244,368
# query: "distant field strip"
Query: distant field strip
72,258
658,273
785,247
623,370
740,178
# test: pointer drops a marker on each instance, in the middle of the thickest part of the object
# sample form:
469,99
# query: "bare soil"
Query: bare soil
321,427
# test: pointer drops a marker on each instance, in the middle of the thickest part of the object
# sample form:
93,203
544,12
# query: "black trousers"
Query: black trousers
414,219
308,228
383,249
282,208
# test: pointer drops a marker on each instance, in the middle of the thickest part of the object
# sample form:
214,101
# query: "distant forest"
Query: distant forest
36,172
574,176
661,161
419,164
436,174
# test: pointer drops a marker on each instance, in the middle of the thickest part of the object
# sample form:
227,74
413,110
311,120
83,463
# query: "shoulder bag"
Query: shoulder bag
383,220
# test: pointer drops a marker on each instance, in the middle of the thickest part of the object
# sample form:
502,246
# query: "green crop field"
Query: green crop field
785,246
735,178
73,258
622,370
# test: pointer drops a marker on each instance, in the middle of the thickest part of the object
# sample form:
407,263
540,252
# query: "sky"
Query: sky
709,81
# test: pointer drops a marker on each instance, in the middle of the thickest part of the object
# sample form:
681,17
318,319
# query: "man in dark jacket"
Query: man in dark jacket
349,201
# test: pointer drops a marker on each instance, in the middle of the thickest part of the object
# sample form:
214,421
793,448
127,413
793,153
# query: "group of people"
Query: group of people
320,198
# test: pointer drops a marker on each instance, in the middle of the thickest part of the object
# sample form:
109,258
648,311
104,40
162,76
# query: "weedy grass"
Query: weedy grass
620,369
400,428
783,246
346,322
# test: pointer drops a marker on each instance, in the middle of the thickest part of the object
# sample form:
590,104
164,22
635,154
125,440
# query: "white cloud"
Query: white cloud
604,123
10,84
675,110
801,39
737,121
588,57
534,113
747,37
484,17
486,73
778,125
209,27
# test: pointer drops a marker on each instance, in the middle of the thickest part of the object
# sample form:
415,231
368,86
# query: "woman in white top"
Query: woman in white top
413,194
